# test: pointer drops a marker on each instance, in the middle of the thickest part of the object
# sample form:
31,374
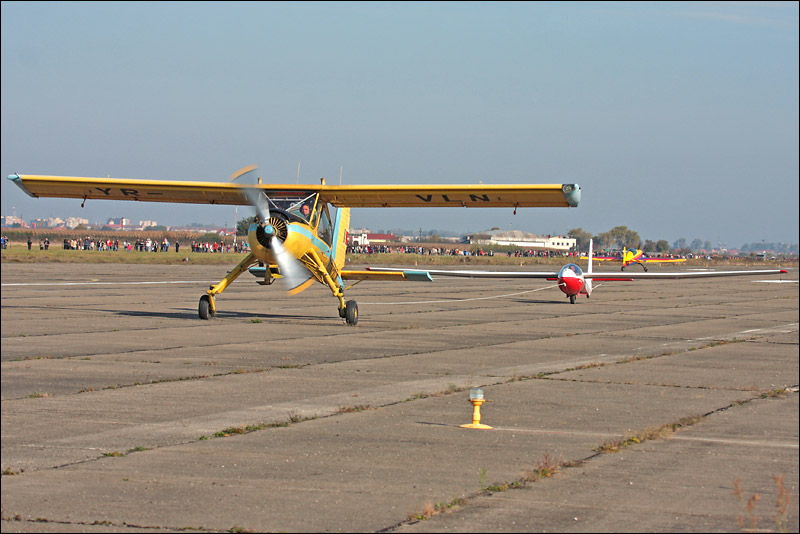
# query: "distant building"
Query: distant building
74,222
518,238
364,238
11,220
49,222
358,238
381,238
119,223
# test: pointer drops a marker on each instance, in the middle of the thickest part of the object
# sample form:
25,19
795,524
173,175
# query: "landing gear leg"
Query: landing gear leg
347,310
206,309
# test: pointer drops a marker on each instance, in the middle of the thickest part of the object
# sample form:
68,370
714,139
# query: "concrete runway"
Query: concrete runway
124,412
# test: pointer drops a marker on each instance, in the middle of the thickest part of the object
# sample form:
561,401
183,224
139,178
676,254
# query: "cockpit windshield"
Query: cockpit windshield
300,204
575,270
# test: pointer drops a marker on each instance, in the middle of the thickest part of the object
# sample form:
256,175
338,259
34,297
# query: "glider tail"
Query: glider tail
587,287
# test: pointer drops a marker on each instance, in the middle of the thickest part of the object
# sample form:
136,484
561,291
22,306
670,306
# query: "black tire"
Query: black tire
351,313
572,299
204,308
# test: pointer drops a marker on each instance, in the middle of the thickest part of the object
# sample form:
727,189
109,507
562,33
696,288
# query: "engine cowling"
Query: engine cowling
260,235
296,238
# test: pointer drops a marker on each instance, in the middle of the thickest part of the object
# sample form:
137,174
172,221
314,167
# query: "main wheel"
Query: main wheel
204,308
572,299
351,313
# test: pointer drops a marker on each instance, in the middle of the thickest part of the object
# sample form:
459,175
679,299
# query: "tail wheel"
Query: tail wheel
204,308
351,313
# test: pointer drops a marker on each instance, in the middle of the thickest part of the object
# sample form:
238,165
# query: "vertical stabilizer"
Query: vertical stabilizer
587,287
340,230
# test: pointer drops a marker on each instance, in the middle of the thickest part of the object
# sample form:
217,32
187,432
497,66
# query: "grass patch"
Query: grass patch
228,432
547,467
748,521
354,409
429,510
656,432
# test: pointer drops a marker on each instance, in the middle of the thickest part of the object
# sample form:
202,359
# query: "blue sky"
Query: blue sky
677,119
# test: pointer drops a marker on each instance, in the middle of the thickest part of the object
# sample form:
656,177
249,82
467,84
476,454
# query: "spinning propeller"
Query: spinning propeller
294,273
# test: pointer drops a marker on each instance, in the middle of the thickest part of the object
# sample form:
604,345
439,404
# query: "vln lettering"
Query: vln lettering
472,198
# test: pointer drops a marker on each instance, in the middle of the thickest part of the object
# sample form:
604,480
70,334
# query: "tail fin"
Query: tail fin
341,228
587,287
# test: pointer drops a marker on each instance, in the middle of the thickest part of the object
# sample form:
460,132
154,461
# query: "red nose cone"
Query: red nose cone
570,285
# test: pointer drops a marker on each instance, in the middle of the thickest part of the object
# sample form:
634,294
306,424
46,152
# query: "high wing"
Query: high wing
678,275
606,277
662,260
602,258
644,259
357,196
473,274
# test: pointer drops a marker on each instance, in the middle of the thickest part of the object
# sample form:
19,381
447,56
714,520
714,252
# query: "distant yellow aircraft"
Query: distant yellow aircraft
634,255
300,231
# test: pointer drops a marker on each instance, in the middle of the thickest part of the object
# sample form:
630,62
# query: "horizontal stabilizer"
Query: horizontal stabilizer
388,274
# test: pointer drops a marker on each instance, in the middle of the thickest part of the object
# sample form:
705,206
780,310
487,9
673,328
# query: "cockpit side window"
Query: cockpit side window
325,228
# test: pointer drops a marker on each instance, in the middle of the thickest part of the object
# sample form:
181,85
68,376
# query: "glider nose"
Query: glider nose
571,285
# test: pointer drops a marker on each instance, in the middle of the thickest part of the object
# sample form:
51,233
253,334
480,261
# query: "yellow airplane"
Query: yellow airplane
632,256
300,231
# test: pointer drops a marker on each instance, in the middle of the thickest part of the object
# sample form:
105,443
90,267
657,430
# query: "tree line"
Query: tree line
621,237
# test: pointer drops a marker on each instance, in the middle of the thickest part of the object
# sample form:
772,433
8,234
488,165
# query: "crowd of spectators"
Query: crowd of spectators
241,246
221,246
146,245
455,251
